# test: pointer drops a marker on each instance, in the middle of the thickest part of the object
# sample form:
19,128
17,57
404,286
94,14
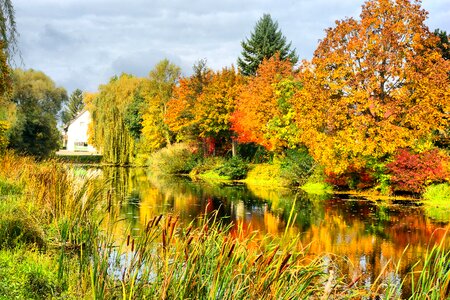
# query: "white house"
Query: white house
77,133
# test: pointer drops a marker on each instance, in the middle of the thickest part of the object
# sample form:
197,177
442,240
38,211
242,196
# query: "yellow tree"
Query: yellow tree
215,105
374,85
157,91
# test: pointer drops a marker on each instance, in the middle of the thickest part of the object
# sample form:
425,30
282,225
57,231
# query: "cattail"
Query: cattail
231,250
284,263
157,220
256,259
128,240
189,240
164,238
188,230
132,245
269,260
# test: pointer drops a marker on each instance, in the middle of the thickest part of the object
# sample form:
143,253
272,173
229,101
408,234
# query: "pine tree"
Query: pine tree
74,107
443,43
264,42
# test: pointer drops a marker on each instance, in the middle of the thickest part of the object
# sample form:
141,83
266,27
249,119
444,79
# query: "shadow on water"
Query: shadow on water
365,234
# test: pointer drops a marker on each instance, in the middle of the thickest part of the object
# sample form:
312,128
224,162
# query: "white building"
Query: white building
77,133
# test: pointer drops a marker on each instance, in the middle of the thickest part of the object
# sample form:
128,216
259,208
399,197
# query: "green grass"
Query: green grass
317,188
437,201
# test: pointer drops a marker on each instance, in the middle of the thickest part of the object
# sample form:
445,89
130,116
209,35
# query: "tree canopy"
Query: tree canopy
38,102
264,42
157,91
73,108
373,86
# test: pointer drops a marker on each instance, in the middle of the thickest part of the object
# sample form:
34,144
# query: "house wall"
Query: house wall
77,137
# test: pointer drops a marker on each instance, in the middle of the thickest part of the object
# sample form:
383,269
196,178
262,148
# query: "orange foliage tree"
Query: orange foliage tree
179,115
263,112
374,85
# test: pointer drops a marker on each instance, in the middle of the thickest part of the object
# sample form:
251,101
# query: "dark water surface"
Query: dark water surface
364,234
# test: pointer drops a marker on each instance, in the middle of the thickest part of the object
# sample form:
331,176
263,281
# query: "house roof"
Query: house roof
76,118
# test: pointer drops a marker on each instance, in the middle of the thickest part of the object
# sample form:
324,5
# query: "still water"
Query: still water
364,234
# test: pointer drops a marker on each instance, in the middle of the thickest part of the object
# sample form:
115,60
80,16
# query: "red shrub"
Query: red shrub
352,178
412,172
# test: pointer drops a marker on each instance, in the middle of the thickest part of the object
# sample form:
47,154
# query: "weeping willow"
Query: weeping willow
108,131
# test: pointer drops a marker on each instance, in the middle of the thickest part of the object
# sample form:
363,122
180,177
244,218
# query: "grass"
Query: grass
437,201
317,188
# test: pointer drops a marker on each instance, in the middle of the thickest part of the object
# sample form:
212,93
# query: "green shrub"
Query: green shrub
297,166
17,227
174,159
234,168
207,164
266,174
437,201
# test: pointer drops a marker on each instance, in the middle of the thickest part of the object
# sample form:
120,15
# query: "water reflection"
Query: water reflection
365,235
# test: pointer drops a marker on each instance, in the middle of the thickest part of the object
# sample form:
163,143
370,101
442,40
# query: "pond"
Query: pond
364,234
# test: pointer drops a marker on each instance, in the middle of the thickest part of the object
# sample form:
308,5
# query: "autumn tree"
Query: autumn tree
156,93
108,131
373,86
38,101
264,42
215,106
180,116
74,106
263,113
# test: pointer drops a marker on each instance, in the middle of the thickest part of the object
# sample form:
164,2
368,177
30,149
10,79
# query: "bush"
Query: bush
413,172
297,166
234,168
174,159
17,227
352,178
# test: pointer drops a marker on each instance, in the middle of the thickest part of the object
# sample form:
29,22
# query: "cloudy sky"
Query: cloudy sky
82,43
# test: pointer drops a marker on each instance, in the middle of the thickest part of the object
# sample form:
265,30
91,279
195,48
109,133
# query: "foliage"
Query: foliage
74,107
265,41
157,92
27,274
373,86
437,201
108,110
443,43
17,227
261,103
133,115
8,32
297,165
38,103
174,159
180,116
234,168
413,172
268,174
352,178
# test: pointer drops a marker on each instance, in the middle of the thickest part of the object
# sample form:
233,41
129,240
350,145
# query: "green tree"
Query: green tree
73,108
443,43
264,42
38,102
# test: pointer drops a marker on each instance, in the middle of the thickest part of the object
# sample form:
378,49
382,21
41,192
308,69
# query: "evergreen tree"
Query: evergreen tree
264,42
443,43
73,108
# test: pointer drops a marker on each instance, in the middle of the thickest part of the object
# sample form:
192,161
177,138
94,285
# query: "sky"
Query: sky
83,43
